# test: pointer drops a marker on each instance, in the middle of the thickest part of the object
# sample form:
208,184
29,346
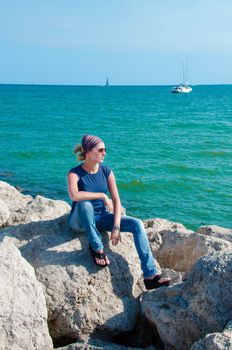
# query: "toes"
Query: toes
100,261
107,261
163,280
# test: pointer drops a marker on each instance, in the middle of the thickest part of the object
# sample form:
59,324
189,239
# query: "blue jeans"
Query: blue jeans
84,218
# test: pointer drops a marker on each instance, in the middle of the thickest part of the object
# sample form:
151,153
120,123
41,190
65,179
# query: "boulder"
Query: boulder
181,249
81,297
19,208
23,314
94,344
4,213
216,341
190,310
216,231
155,229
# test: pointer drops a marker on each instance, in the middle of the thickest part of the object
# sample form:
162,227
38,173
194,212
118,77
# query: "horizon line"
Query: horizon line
111,85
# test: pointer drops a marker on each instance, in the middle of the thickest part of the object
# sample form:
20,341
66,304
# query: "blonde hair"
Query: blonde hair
81,155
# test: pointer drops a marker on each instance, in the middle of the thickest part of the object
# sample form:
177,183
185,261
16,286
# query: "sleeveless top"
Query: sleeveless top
92,183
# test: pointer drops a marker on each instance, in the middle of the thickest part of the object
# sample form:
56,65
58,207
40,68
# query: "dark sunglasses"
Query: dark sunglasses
101,150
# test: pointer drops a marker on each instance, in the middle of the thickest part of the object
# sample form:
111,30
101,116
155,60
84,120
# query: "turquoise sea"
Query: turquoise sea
171,154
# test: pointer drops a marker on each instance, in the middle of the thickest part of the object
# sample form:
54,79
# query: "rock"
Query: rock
25,209
162,225
176,276
201,304
181,249
4,213
23,314
94,344
81,297
156,228
216,341
216,231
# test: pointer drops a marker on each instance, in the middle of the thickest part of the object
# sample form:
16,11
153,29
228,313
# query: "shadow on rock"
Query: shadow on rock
81,297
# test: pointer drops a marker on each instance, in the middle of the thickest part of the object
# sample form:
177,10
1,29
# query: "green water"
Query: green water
171,154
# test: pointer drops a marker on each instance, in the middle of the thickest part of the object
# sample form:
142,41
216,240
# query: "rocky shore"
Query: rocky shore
53,296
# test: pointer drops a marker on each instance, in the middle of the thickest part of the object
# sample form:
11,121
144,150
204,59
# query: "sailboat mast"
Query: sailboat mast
183,73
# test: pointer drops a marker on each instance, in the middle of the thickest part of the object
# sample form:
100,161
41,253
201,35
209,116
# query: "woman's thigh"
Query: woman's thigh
106,222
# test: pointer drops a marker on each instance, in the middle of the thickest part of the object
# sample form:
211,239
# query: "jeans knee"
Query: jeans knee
138,225
85,206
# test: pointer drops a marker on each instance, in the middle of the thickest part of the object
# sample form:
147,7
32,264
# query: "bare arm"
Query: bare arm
115,234
115,198
78,196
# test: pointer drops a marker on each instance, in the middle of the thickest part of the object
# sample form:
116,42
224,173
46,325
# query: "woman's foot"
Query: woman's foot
156,281
104,261
99,257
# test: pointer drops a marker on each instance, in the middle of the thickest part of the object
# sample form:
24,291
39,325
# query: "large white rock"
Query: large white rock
157,227
4,213
181,249
81,297
216,231
19,208
160,226
216,341
188,311
23,313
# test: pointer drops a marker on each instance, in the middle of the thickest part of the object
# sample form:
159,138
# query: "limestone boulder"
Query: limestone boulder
19,208
216,231
157,227
216,341
81,297
95,344
181,249
4,213
23,313
190,310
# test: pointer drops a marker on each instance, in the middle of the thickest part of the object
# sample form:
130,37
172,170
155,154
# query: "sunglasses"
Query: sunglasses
101,150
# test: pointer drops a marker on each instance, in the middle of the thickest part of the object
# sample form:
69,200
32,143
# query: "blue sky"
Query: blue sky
133,42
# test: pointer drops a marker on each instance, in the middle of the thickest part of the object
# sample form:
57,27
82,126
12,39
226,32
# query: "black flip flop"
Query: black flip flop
154,283
98,256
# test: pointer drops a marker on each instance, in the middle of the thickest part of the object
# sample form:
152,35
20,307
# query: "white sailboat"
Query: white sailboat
183,88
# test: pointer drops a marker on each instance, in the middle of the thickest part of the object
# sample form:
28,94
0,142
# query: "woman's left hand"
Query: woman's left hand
115,237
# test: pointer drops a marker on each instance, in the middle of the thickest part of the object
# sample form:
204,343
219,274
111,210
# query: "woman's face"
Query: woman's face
98,153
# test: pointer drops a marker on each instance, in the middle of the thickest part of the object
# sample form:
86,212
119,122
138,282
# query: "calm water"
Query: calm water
171,154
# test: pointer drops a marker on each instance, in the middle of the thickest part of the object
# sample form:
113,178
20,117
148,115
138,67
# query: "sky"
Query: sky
132,42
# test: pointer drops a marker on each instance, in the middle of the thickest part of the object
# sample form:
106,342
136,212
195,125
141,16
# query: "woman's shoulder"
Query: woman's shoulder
76,170
106,170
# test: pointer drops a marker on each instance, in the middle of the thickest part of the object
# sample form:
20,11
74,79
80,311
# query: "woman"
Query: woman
92,210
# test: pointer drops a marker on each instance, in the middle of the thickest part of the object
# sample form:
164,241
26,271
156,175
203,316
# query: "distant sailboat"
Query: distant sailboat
107,82
183,88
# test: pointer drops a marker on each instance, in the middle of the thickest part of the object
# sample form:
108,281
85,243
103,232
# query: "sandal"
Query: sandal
98,256
154,282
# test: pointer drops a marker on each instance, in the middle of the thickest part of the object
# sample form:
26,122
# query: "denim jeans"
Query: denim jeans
84,218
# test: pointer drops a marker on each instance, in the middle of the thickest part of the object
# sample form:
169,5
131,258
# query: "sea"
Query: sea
171,153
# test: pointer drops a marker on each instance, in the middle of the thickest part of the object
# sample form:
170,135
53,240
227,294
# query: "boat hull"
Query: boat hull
181,89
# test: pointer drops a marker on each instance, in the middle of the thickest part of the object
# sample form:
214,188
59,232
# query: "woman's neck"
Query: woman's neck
90,167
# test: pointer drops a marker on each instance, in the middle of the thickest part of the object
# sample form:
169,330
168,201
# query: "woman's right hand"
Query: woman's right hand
108,203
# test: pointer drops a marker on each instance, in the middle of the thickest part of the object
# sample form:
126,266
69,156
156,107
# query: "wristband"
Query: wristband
115,227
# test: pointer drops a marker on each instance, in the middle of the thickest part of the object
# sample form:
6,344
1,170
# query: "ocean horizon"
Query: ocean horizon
171,154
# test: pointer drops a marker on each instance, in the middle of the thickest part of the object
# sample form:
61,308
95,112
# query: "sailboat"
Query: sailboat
107,82
183,88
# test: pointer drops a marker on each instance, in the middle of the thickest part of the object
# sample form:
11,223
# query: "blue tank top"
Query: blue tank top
92,183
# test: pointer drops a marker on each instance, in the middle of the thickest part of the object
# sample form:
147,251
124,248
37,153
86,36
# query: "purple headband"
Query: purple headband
89,142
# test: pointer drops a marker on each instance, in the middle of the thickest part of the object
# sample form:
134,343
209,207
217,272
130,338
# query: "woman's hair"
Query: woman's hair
88,143
81,155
